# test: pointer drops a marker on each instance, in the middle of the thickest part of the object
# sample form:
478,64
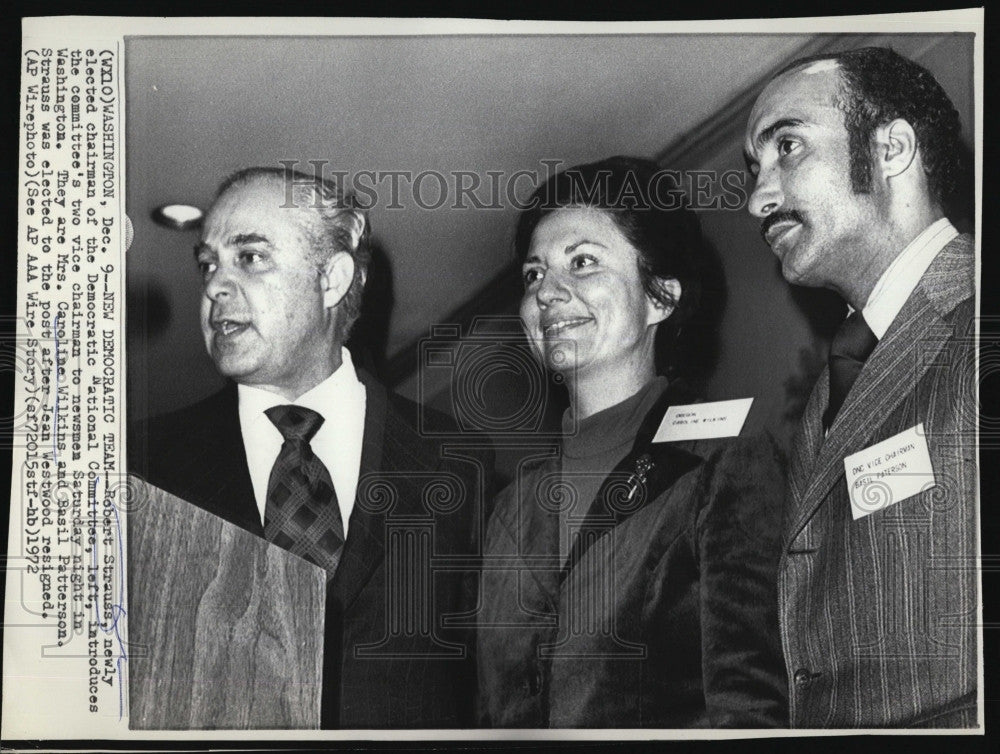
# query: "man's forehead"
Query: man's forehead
805,94
259,191
261,201
819,66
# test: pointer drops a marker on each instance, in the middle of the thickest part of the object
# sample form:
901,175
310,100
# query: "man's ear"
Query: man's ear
896,148
336,278
657,311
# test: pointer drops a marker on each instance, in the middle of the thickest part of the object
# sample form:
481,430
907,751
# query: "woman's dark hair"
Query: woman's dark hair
649,208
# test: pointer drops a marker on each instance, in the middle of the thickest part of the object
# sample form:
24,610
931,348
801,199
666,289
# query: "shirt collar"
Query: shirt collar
901,277
254,401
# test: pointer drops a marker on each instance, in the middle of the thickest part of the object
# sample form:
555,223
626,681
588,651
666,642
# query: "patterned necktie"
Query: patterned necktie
850,347
302,514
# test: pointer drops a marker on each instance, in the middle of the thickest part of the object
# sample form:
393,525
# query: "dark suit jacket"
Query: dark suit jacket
668,618
388,660
878,615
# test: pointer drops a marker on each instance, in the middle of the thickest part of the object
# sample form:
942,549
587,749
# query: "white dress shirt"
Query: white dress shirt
901,277
340,400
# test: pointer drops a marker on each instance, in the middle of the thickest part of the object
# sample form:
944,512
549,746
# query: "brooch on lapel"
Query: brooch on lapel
643,465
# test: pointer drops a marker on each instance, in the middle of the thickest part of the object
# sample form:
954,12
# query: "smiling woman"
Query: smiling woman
585,307
652,597
608,255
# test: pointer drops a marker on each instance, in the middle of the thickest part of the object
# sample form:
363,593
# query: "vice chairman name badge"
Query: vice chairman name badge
889,472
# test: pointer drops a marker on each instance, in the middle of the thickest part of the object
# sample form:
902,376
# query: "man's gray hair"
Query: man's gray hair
341,226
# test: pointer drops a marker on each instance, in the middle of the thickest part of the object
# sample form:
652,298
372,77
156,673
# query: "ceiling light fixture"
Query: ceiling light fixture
178,216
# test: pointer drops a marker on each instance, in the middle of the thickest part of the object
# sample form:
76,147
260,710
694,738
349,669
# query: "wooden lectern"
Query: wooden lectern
225,630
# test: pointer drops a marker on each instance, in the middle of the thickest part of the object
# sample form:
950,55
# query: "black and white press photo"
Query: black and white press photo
504,379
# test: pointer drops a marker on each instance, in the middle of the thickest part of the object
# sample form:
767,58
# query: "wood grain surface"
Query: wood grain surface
225,629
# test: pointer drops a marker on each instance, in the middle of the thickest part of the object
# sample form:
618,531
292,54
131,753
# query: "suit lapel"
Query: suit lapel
613,505
537,522
392,453
646,472
538,525
806,444
895,367
223,483
364,548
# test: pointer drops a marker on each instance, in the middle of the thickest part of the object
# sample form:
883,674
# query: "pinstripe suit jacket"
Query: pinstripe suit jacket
381,669
878,615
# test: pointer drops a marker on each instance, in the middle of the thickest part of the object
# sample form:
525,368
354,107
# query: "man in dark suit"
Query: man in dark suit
854,156
315,456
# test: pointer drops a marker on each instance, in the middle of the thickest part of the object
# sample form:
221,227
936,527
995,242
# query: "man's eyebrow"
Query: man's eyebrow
238,240
243,238
768,133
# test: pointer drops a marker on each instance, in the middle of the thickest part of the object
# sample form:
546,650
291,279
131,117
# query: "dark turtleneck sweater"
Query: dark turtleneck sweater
592,447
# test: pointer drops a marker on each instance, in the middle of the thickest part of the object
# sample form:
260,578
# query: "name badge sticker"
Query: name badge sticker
889,472
703,421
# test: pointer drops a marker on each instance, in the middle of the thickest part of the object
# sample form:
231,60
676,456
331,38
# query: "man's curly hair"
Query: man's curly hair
879,85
